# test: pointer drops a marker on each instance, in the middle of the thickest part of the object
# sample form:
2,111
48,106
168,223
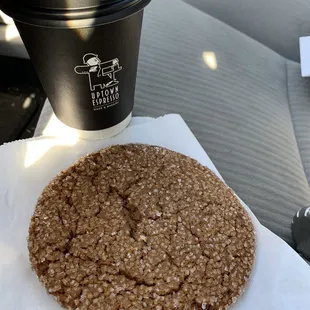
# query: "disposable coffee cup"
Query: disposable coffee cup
86,56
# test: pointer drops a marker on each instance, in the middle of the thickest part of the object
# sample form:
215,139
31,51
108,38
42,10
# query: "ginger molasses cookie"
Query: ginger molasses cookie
141,227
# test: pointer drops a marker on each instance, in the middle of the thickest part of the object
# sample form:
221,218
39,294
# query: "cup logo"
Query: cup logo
103,83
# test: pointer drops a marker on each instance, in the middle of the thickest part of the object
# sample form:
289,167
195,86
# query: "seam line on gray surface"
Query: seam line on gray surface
292,119
240,32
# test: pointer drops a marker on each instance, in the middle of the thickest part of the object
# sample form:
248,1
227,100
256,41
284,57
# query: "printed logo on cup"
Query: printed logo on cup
103,83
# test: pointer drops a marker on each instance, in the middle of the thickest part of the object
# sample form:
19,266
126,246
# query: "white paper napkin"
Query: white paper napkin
280,279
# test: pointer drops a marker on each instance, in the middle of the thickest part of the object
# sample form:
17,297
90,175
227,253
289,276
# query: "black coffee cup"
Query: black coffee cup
85,54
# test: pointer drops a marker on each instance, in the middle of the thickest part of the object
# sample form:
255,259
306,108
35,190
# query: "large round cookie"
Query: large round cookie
141,227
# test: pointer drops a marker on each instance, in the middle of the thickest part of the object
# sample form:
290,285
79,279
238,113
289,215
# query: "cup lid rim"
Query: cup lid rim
106,12
67,4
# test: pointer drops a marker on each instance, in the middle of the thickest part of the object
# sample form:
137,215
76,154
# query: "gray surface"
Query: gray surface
299,97
240,112
276,23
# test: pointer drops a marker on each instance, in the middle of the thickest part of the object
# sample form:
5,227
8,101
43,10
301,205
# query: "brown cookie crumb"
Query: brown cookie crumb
141,227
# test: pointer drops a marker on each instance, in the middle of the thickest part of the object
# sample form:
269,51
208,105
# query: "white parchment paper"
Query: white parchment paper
280,279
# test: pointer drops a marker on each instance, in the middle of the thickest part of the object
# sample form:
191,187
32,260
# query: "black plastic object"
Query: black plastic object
71,13
301,232
21,99
87,65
